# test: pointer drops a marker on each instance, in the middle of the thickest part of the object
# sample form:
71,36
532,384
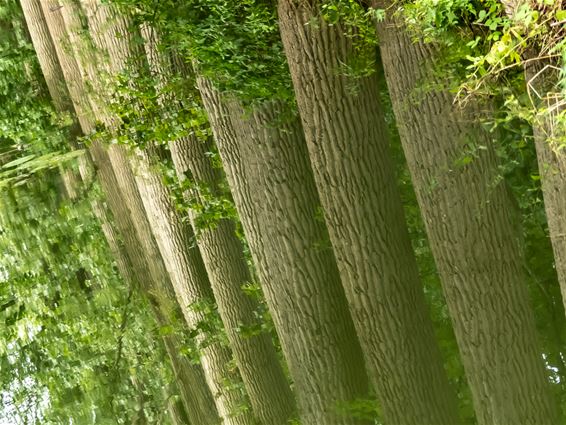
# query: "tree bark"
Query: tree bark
176,242
189,378
223,255
542,77
176,410
50,67
348,146
267,386
155,213
274,192
151,273
134,265
474,234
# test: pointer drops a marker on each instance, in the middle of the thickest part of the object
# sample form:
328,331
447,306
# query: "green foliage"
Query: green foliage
236,44
358,24
70,337
207,205
138,98
362,409
491,43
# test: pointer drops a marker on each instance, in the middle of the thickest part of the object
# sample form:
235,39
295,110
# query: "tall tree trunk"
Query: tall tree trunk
552,170
175,239
199,402
133,265
50,67
156,213
474,234
151,273
267,386
348,146
224,259
542,77
274,192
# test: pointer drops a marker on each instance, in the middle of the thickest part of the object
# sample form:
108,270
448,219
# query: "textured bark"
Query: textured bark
188,274
552,170
174,238
348,147
132,261
191,382
223,256
189,378
274,192
43,45
222,252
472,226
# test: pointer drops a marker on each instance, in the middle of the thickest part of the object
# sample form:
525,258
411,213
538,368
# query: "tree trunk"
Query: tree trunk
222,251
472,226
552,169
274,192
190,381
189,378
224,259
155,212
176,242
133,262
348,145
151,273
50,67
542,77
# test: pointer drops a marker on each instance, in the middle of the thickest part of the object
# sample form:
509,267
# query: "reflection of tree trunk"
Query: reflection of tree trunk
71,182
139,418
348,147
271,180
471,222
51,68
223,256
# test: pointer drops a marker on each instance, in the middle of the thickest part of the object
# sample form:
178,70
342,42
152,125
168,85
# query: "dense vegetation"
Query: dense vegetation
260,212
